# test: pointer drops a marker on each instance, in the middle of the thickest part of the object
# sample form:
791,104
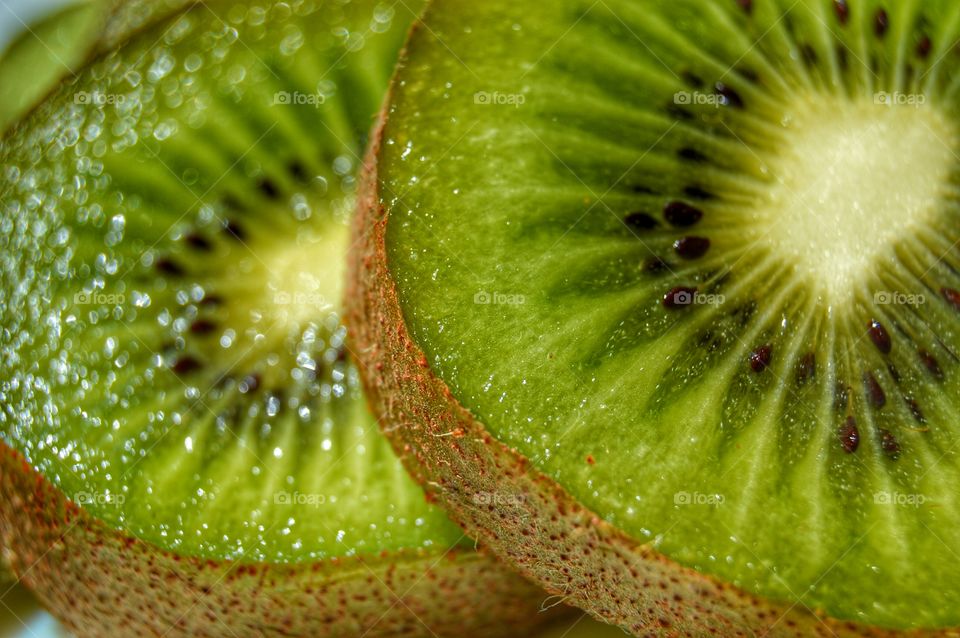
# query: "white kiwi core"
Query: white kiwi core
853,179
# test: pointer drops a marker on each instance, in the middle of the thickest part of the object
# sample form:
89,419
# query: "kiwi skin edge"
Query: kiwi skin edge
605,572
102,582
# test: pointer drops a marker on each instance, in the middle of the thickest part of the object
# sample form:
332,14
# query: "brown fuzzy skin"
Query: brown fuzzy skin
530,521
101,582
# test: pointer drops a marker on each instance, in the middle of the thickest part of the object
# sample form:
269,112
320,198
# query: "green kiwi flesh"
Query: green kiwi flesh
695,263
177,401
34,62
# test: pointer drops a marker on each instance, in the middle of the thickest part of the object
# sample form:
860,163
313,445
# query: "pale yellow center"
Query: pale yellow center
851,180
288,284
310,274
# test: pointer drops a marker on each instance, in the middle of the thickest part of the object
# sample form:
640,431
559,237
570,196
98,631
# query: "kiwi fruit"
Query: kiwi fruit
185,448
34,62
677,282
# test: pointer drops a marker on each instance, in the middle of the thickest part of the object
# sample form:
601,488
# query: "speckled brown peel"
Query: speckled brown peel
533,523
101,582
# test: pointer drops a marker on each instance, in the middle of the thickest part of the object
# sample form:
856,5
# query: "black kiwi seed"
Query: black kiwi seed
744,314
235,230
720,278
749,75
202,327
908,72
706,340
692,247
211,300
894,373
268,188
931,364
198,242
807,368
746,5
679,297
849,435
915,410
880,337
185,365
698,193
682,215
809,54
761,357
729,95
640,221
881,22
655,265
842,57
952,297
677,112
924,47
692,155
889,444
232,203
169,267
875,394
249,383
298,171
692,80
843,11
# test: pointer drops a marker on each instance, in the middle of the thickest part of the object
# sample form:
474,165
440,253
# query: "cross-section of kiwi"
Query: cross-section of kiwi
186,449
678,281
33,63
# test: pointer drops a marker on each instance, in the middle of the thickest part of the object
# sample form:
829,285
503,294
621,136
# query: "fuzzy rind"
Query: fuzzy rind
101,582
526,518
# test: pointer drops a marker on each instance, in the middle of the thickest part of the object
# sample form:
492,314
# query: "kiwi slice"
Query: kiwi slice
33,63
678,280
185,445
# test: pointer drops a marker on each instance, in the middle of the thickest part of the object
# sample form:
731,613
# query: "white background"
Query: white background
14,13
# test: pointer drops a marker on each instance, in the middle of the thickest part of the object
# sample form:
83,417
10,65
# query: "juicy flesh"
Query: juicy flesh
697,262
171,254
